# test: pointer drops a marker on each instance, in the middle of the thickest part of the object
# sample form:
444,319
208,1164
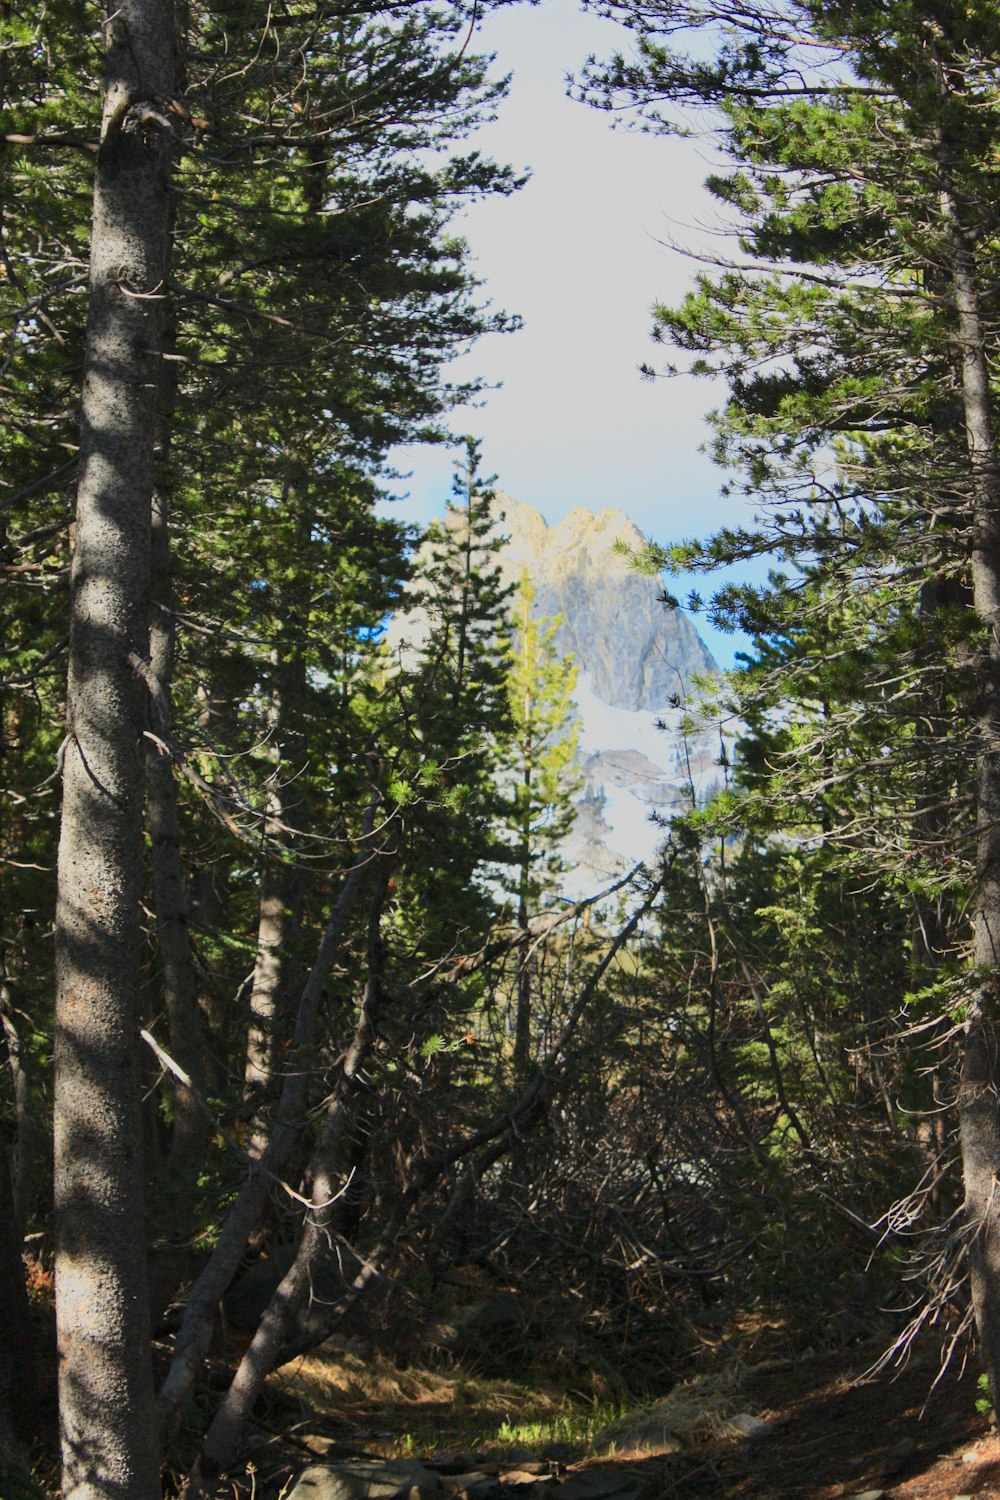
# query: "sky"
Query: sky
582,254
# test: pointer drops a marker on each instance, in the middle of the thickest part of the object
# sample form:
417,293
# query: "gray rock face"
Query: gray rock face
398,1479
638,661
637,653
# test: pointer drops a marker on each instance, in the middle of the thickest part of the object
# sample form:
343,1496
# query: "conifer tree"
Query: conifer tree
454,707
317,295
105,1374
854,333
537,769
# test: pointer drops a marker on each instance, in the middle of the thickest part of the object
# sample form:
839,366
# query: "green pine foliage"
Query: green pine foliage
862,148
537,759
452,711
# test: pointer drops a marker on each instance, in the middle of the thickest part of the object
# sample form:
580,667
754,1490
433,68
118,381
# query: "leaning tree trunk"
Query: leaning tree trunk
105,1378
261,1357
979,1100
281,883
194,1334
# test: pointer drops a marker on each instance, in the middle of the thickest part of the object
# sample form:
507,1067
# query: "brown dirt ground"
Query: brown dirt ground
832,1435
833,1432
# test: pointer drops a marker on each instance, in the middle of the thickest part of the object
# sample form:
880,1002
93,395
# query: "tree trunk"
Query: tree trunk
280,883
270,1346
105,1378
30,1138
177,1185
177,970
18,1387
280,896
261,1357
195,1332
979,1101
178,977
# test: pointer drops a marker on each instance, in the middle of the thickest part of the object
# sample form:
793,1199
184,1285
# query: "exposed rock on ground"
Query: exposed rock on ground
402,1479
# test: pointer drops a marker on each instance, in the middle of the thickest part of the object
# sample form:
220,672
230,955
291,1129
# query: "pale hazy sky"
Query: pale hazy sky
581,254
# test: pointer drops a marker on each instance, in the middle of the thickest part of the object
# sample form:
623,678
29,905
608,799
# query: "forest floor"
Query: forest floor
833,1429
833,1432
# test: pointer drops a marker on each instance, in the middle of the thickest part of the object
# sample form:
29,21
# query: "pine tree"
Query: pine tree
861,417
105,1374
316,295
453,711
538,772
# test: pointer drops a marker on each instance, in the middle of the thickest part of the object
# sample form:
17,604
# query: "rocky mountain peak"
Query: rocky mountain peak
635,653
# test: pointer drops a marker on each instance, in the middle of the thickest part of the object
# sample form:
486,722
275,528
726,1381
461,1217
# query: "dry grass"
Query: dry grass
410,1408
328,1379
698,1412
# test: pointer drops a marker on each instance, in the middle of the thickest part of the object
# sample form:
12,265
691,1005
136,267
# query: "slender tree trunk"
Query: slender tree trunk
979,1099
195,1332
280,893
270,1346
18,1387
177,1185
525,954
281,884
230,1420
105,1378
525,977
177,970
178,976
30,1135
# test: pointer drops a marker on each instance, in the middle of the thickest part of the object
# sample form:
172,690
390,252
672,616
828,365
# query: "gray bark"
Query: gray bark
280,895
979,1101
281,883
177,969
105,1379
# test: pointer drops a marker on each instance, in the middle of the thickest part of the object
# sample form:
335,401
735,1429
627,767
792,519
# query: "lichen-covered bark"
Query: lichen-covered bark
105,1380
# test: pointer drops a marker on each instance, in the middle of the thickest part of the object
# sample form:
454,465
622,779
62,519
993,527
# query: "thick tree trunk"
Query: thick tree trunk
979,1099
105,1379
